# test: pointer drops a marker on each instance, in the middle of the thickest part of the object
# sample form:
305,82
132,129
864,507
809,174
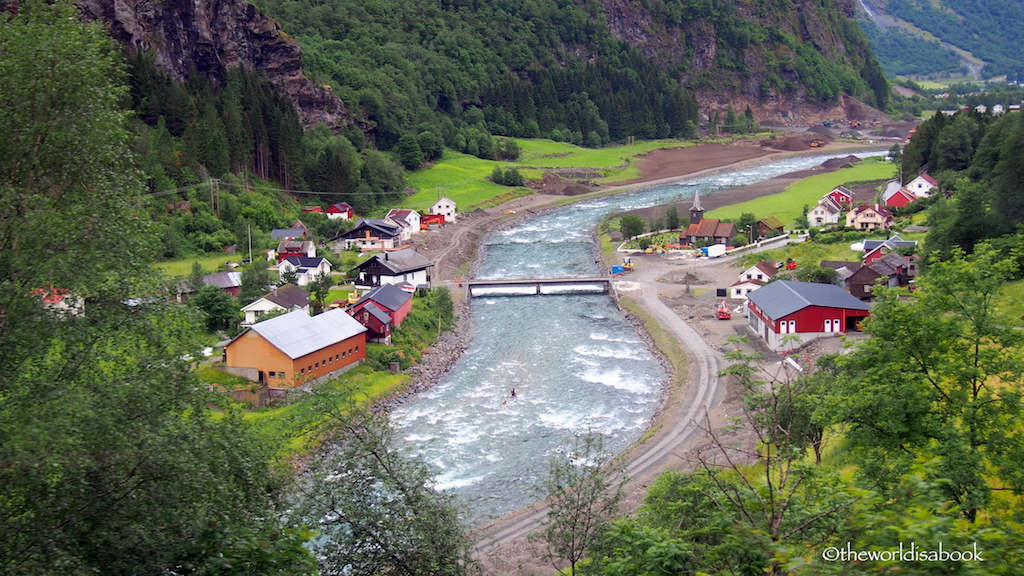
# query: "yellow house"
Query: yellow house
295,348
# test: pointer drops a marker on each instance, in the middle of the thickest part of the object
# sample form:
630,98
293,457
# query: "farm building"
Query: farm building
290,350
803,311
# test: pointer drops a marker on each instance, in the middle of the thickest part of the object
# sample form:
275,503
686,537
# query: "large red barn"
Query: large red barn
803,311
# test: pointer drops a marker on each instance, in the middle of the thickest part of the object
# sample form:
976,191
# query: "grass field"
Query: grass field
788,205
1012,301
183,268
463,178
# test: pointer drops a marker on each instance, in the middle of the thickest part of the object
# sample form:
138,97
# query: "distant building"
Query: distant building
922,186
869,217
374,234
768,225
341,211
444,207
287,298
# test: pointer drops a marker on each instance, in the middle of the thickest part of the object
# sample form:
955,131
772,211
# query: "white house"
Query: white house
741,288
305,269
409,220
287,298
922,185
826,212
763,271
445,207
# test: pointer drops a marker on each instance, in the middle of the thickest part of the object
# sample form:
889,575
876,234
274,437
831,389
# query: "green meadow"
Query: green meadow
463,178
183,268
788,205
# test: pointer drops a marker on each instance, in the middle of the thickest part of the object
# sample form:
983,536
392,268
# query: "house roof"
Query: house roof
388,296
772,222
837,264
766,267
339,208
783,297
287,297
286,246
316,209
711,228
444,199
386,227
223,279
377,313
889,264
298,334
829,205
846,272
751,281
399,261
902,191
51,295
890,243
927,178
304,262
841,190
286,233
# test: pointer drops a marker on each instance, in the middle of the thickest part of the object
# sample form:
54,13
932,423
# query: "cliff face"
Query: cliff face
745,70
212,36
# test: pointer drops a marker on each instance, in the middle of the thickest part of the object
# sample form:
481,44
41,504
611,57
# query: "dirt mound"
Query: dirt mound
556,185
792,144
857,110
833,163
819,129
898,130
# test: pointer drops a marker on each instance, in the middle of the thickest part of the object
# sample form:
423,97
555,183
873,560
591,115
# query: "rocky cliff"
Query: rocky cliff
746,64
212,36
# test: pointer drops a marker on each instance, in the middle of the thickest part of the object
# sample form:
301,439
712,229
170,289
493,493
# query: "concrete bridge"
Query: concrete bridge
534,286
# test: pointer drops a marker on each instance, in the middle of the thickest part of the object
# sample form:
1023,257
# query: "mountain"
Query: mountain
982,33
590,70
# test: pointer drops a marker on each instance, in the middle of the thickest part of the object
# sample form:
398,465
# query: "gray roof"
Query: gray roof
400,261
377,313
289,296
891,243
391,297
783,297
298,334
223,279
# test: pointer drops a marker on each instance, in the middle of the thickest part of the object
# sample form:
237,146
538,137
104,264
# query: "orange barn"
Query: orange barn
295,348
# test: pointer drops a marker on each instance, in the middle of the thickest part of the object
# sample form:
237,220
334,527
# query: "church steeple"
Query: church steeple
696,211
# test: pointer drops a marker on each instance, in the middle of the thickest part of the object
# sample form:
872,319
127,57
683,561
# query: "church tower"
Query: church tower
696,211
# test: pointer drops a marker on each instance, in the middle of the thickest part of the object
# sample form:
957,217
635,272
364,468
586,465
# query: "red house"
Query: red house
842,196
377,322
787,314
900,198
341,210
394,301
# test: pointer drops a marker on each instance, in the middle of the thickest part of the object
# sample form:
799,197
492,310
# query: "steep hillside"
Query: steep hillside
988,29
211,36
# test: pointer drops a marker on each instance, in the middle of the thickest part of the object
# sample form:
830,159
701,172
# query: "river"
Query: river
576,363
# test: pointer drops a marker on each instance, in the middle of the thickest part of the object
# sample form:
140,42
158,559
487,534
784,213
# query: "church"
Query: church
704,230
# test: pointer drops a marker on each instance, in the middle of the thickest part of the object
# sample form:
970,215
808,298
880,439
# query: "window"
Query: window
302,371
317,365
310,369
337,357
342,354
357,348
273,374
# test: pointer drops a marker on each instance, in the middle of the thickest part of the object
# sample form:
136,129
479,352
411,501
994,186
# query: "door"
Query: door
828,325
792,326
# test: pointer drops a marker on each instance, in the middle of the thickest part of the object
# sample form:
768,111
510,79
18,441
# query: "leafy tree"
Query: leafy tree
747,224
672,218
409,153
940,379
378,509
319,288
112,461
498,175
218,306
443,303
583,492
632,225
254,282
195,278
514,177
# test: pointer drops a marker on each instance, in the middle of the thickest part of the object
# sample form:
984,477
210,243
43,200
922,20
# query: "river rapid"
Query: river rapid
576,363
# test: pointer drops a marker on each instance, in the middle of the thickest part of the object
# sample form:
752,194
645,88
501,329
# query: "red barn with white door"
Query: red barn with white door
787,314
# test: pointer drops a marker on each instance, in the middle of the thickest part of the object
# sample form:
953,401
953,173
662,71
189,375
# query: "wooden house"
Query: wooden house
405,266
374,234
803,310
295,348
392,300
770,226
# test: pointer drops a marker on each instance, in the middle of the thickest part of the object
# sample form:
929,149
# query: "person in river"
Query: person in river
513,392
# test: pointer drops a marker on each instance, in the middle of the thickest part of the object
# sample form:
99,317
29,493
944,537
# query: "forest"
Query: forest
903,54
989,30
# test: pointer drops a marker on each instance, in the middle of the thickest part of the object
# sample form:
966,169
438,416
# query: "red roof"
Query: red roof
51,295
711,228
901,198
929,179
